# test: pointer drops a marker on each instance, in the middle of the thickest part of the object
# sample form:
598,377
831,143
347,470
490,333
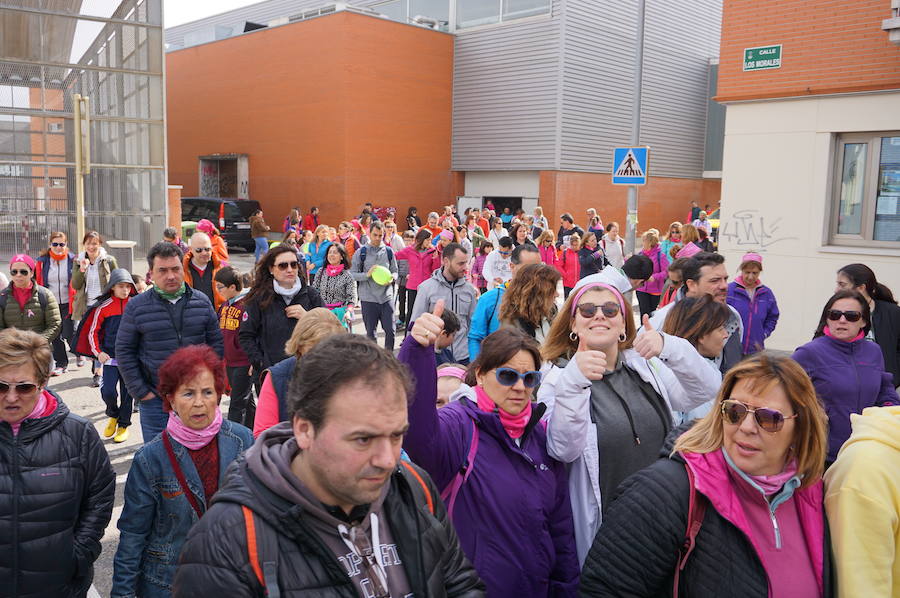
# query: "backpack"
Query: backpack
362,257
266,571
42,297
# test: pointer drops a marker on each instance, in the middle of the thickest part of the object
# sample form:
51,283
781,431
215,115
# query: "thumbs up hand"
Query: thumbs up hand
429,326
650,343
591,363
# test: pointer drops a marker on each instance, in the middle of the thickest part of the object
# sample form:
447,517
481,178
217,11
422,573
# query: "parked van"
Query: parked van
230,215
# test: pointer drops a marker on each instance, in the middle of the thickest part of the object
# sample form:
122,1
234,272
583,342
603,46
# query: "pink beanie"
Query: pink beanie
25,259
689,250
446,235
752,256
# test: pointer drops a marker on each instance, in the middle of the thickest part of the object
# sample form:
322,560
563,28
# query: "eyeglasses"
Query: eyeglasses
202,249
770,420
852,316
18,272
55,244
505,252
25,388
509,377
288,265
610,309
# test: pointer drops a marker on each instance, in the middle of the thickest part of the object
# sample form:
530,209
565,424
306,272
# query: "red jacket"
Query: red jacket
103,324
310,222
570,268
230,317
548,255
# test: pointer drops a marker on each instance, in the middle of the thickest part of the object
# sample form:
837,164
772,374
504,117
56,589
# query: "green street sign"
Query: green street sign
762,58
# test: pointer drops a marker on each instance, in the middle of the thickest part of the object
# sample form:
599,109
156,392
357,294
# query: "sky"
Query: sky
176,12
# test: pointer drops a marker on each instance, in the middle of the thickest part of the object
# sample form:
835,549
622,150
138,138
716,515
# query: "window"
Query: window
405,10
866,196
474,13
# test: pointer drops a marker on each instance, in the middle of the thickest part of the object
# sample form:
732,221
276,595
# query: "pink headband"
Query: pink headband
25,259
598,285
452,372
752,257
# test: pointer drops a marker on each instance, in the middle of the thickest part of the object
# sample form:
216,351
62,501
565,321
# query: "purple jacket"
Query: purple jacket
513,514
660,271
848,378
760,314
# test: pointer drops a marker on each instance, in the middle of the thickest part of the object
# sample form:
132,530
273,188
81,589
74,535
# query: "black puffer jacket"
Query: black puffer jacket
636,550
56,497
264,332
214,561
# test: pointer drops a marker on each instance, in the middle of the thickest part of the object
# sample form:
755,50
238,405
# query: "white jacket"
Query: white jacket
679,375
496,266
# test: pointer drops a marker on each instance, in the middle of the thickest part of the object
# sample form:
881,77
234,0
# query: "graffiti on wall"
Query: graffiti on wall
209,179
749,228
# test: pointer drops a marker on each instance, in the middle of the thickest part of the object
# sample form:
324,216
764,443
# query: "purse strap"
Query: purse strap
696,512
180,475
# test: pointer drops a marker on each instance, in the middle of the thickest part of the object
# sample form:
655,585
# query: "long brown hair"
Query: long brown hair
689,234
558,342
692,318
531,295
263,291
764,370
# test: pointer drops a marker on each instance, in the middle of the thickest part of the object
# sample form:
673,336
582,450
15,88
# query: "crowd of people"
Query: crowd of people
534,435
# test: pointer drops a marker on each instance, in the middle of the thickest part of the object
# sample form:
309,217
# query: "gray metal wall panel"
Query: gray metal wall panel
715,125
598,76
678,43
506,96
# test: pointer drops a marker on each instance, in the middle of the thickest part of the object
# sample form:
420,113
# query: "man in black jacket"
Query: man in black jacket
329,506
155,324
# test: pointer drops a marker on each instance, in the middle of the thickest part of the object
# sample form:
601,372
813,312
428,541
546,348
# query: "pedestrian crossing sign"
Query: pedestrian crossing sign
630,165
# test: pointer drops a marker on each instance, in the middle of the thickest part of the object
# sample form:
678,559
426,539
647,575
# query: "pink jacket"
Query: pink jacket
660,271
789,539
570,268
548,255
421,265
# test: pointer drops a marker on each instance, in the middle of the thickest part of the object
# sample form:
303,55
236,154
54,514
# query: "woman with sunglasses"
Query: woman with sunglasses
487,450
610,398
747,480
26,305
846,369
57,486
671,240
277,299
54,272
336,285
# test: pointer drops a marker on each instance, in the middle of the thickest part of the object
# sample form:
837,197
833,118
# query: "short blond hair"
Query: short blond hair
312,327
23,347
764,370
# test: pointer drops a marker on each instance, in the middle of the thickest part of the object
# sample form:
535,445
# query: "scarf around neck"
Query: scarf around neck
334,269
188,437
288,294
513,424
171,296
769,484
59,258
740,280
827,332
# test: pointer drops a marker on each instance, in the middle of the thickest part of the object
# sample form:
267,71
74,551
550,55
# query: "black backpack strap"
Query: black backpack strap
696,511
362,258
4,297
266,571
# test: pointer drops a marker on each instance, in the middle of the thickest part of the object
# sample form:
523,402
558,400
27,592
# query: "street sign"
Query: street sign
762,58
630,165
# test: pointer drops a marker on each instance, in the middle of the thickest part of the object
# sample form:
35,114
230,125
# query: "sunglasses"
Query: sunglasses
202,250
505,252
770,420
288,265
22,272
55,244
610,309
509,377
25,388
835,314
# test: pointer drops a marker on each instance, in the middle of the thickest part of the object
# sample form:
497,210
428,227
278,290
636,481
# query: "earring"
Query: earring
622,337
573,337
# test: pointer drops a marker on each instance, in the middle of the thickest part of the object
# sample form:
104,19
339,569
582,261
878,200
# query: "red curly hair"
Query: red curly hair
184,364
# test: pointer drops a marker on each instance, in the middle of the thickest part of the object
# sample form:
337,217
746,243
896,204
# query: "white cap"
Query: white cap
609,275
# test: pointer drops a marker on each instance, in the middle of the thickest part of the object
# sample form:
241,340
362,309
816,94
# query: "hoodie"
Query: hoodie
98,328
459,296
862,499
269,460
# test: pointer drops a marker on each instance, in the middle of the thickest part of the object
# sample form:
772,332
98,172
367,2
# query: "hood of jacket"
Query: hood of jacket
878,424
120,275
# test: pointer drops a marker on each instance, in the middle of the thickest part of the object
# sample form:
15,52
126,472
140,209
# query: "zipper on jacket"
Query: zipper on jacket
17,487
775,526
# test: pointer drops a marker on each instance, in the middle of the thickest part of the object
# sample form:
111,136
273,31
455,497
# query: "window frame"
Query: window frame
865,238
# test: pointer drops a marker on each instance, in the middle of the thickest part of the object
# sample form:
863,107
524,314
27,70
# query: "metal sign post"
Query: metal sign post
632,216
82,125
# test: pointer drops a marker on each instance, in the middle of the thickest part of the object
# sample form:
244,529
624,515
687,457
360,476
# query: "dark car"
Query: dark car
230,215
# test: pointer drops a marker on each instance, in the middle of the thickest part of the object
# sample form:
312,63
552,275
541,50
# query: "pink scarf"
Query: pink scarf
190,438
39,407
513,424
827,332
771,484
334,269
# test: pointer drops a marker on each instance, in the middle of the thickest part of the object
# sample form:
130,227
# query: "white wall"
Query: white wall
508,183
775,198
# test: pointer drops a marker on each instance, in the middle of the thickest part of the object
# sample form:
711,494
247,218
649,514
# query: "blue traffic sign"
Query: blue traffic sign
630,165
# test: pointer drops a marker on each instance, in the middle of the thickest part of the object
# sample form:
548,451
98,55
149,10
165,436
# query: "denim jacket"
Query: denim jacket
157,516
